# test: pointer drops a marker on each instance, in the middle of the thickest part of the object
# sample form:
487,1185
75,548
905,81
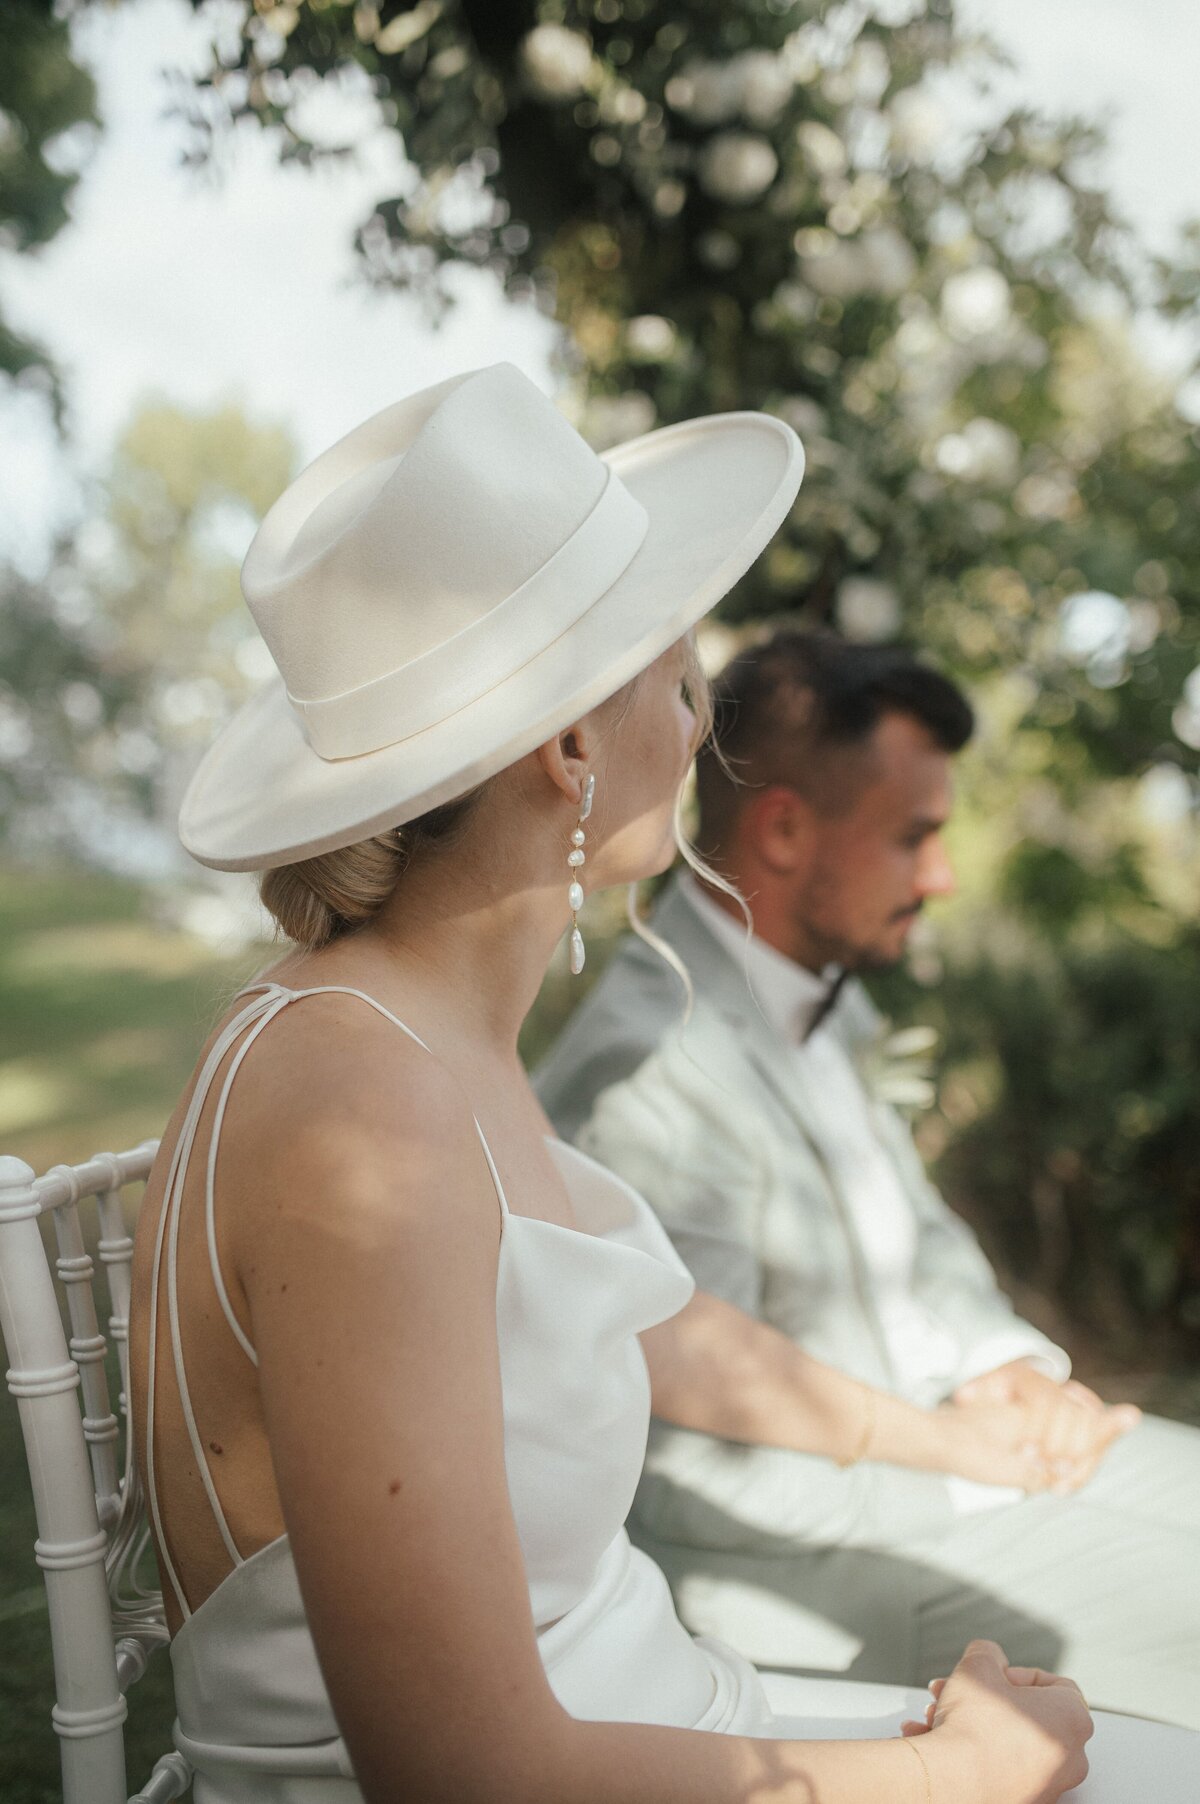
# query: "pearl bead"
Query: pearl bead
575,897
588,797
577,952
578,837
576,858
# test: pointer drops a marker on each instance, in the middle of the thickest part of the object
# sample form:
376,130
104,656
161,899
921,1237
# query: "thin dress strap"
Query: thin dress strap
257,1014
167,1231
345,990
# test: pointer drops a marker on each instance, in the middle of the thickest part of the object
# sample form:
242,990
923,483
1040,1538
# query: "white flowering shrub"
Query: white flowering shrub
556,62
737,167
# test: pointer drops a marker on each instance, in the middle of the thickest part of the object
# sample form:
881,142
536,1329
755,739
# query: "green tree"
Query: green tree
177,509
122,662
48,121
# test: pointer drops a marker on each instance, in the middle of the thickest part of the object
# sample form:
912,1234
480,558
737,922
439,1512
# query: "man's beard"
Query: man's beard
862,960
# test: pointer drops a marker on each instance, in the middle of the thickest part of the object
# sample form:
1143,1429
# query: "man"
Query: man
793,1191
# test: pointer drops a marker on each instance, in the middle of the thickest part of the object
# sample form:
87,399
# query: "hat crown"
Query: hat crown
415,527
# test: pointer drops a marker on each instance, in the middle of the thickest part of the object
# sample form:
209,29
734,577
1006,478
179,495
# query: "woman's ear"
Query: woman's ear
565,759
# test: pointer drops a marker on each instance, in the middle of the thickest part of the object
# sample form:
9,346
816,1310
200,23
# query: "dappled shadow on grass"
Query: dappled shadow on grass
58,1005
103,1011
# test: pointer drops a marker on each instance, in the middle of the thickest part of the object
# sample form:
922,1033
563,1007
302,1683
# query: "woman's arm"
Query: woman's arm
366,1238
718,1370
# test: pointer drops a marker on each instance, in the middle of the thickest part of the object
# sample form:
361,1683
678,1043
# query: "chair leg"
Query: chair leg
170,1779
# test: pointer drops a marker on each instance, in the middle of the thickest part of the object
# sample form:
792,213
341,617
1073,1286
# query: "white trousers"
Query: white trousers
871,1574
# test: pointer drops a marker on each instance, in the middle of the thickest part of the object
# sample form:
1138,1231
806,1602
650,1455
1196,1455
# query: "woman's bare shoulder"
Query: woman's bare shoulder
331,1059
332,1091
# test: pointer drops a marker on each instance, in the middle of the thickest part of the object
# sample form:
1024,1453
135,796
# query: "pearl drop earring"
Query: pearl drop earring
575,859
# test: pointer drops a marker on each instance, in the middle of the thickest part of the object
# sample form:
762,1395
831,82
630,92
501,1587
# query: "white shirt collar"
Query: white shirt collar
787,993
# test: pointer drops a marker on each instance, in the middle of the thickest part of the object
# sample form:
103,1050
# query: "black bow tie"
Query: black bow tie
827,1003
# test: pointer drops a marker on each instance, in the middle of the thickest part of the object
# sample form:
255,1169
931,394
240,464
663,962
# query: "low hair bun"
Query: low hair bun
316,900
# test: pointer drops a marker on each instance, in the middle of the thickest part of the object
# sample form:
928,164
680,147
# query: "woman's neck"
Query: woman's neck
463,941
475,941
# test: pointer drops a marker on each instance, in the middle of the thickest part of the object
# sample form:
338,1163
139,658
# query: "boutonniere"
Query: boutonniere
897,1066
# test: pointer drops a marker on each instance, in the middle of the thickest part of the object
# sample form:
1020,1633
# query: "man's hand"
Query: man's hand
1069,1427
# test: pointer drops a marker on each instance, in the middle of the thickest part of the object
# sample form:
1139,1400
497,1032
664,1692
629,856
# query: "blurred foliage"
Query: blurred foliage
1065,1126
43,656
48,124
121,662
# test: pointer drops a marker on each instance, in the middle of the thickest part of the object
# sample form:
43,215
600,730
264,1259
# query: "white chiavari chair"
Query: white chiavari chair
92,1533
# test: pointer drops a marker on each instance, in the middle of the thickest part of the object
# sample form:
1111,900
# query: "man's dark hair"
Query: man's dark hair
786,709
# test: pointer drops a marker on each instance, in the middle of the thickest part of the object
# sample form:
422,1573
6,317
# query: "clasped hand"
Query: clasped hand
1039,1720
1016,1426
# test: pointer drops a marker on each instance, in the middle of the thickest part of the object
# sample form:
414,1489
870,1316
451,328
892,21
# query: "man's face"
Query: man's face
873,866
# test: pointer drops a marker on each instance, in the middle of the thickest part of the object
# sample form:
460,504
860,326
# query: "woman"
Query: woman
390,1401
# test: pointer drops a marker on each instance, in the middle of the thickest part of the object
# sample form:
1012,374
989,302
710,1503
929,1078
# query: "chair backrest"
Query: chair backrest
91,1520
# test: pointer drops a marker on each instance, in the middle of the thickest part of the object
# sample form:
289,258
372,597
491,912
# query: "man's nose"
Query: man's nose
935,874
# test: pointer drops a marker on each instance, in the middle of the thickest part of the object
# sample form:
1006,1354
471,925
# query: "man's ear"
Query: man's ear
779,822
565,760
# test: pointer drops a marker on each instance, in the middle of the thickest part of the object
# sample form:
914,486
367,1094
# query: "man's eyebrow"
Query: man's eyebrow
926,823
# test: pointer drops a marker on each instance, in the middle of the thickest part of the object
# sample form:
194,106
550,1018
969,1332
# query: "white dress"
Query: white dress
254,1717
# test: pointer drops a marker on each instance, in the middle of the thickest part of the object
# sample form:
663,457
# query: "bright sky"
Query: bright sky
166,282
1134,68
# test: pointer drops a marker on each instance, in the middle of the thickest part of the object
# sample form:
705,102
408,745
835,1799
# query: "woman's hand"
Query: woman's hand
1000,1734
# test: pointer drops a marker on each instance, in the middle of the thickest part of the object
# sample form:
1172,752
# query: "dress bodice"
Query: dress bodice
570,1303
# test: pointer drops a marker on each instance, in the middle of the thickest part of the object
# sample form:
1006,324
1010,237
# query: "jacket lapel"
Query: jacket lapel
726,989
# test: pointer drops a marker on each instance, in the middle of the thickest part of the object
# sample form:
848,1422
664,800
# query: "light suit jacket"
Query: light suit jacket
708,1121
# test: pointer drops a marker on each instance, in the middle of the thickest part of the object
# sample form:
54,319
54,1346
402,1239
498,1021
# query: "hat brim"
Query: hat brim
715,490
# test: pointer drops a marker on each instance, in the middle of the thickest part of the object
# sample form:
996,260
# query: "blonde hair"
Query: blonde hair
320,899
700,697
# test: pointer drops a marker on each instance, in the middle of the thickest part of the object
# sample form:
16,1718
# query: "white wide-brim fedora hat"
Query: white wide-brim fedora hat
454,582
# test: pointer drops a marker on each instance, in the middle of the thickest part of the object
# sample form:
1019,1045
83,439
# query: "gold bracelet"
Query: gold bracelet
868,1433
911,1742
